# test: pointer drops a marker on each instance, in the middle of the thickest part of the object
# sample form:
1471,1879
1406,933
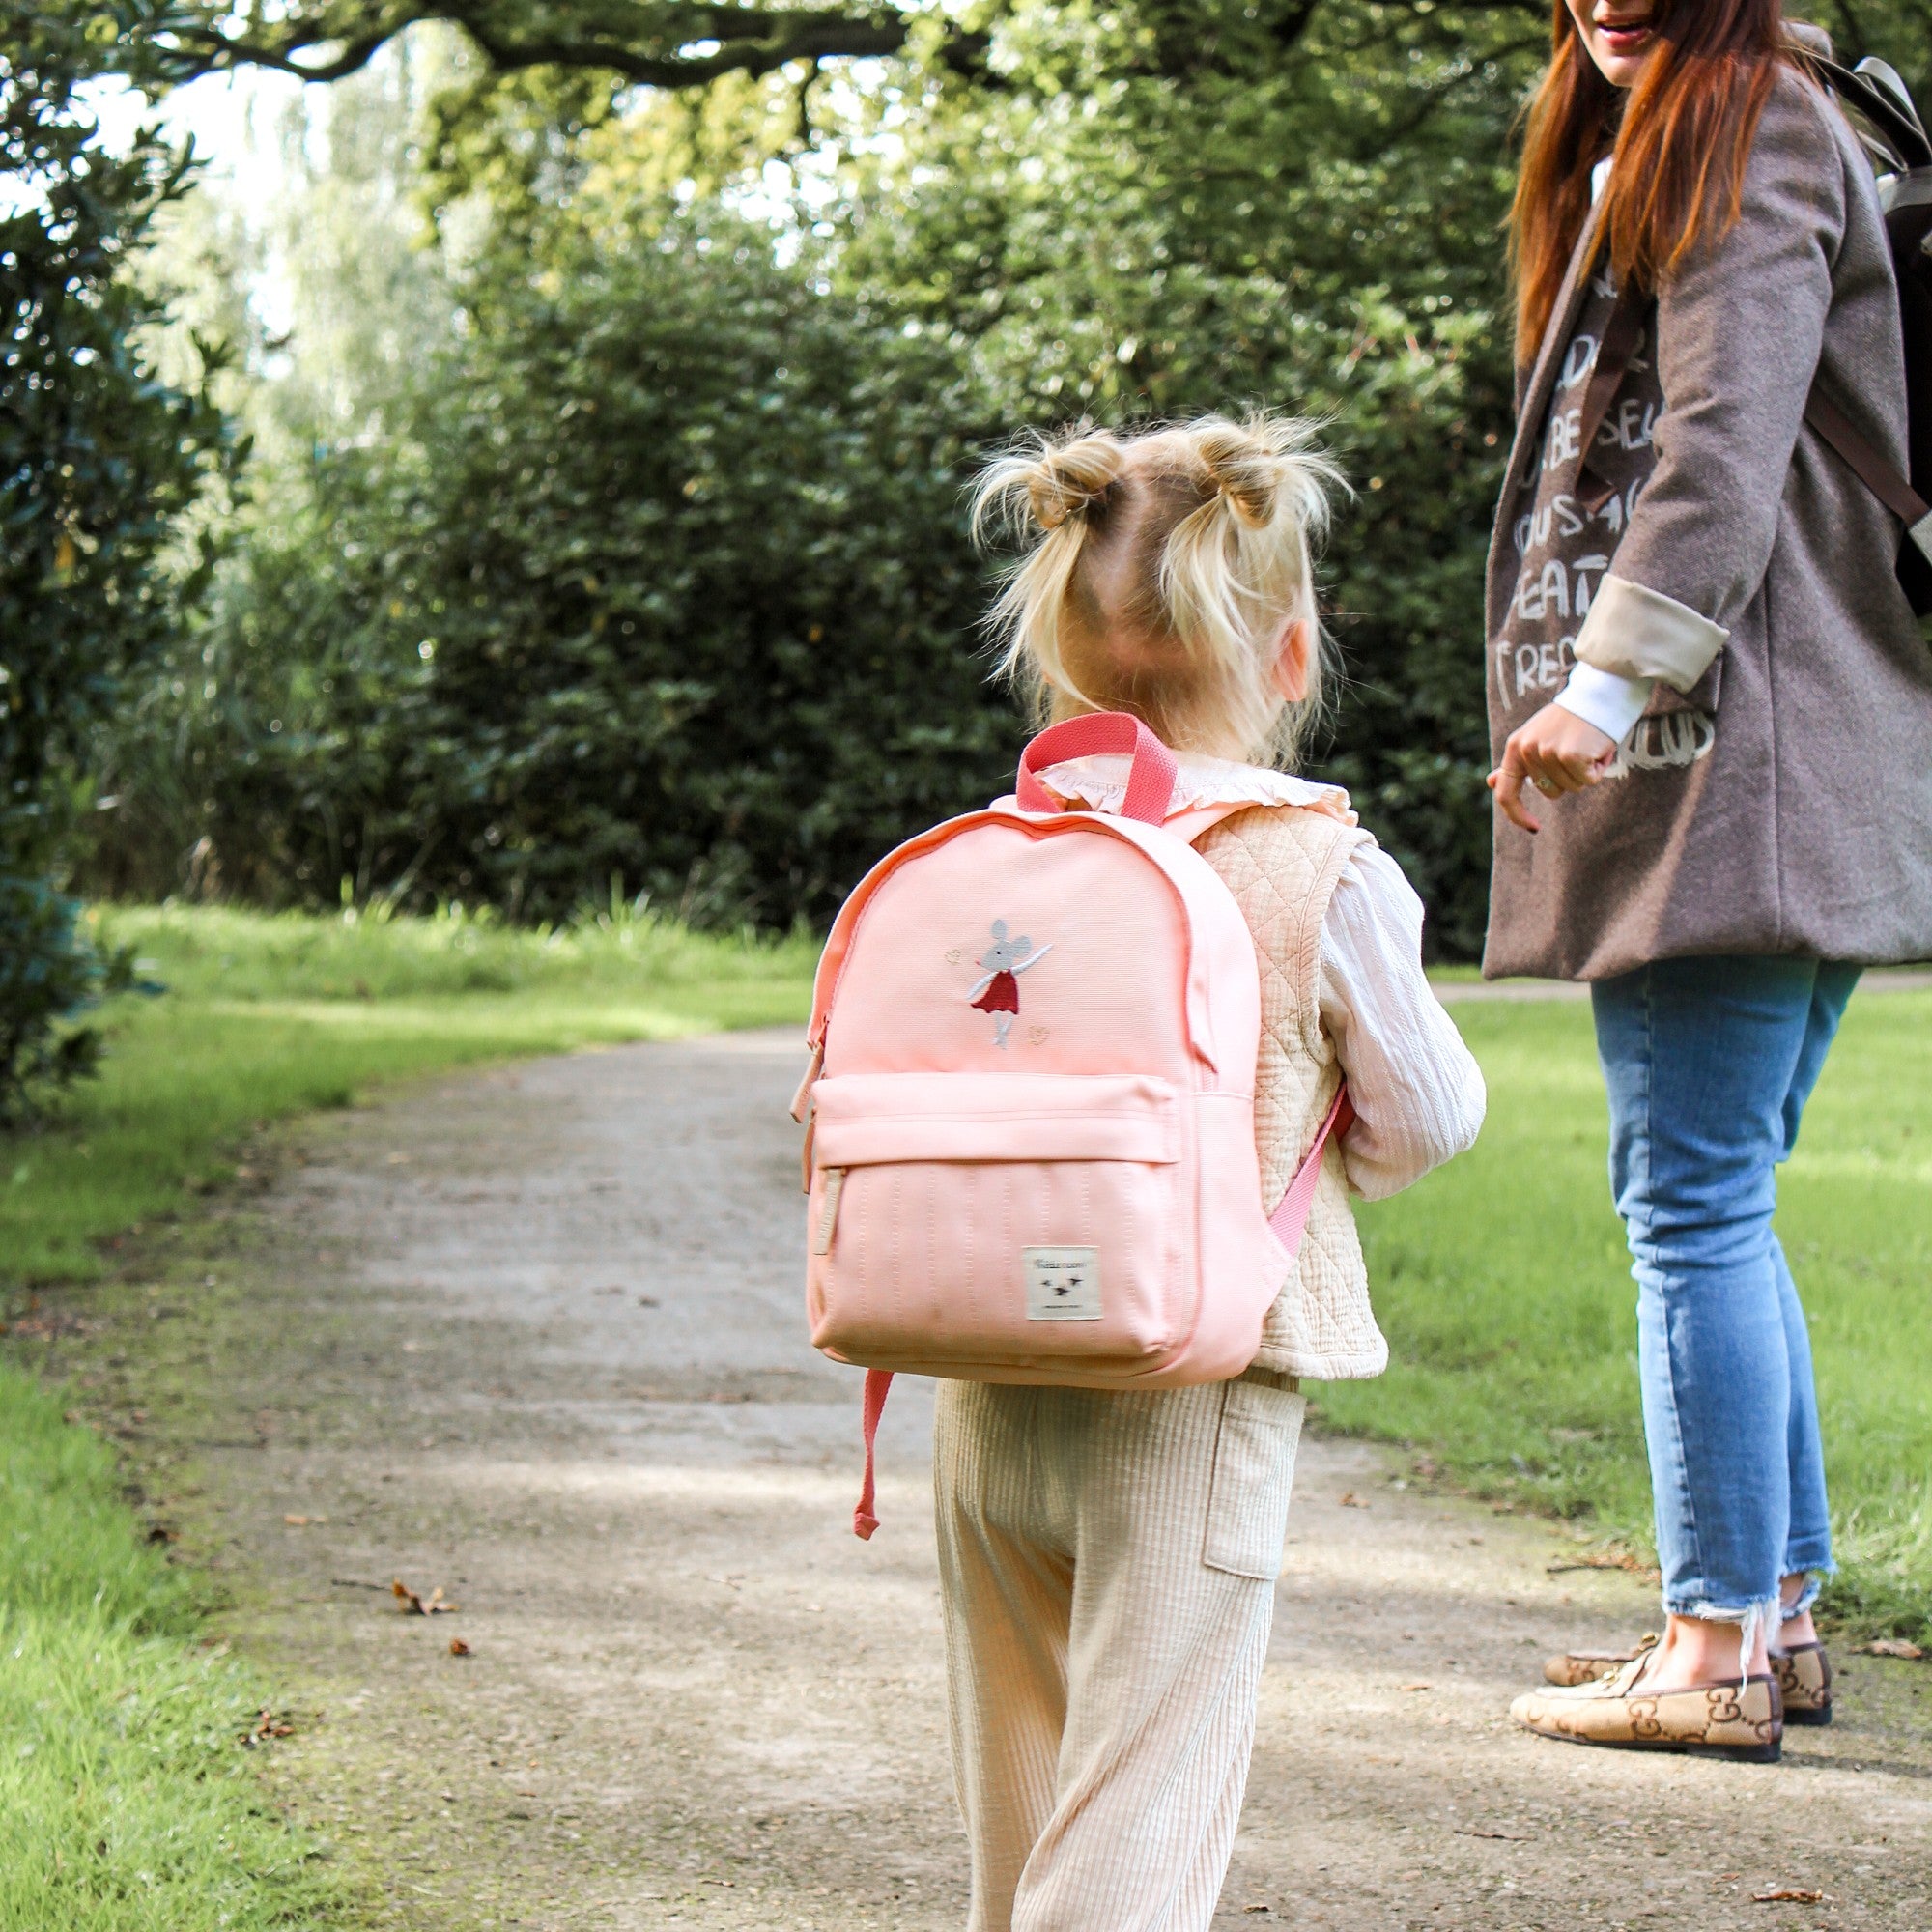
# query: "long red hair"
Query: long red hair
1680,138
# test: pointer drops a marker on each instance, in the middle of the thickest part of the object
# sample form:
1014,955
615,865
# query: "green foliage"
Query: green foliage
49,973
656,569
97,460
1169,208
654,560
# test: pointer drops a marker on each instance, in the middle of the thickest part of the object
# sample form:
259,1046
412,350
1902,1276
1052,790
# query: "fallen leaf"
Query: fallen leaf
265,1726
414,1605
458,1648
1352,1501
1790,1896
302,1521
1893,1646
1415,1687
1470,1831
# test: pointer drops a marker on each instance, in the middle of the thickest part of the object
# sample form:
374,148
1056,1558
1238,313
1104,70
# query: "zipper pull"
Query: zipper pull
828,1210
801,1101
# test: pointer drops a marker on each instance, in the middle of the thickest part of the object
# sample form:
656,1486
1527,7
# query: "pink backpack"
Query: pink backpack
1031,1142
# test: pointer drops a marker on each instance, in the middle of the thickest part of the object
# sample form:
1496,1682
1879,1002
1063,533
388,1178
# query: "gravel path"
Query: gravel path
534,1338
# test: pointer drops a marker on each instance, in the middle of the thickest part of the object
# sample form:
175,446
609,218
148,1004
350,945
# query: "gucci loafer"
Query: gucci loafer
1803,1674
1585,1666
1732,1719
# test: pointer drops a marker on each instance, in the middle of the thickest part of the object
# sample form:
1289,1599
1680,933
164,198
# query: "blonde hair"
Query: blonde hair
1160,573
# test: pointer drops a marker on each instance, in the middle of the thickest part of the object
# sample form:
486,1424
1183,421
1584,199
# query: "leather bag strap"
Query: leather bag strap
1893,488
1621,336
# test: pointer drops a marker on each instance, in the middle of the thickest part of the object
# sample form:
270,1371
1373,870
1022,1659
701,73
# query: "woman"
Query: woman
1699,652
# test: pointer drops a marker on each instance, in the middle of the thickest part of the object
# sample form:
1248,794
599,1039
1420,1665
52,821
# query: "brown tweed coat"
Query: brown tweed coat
1804,824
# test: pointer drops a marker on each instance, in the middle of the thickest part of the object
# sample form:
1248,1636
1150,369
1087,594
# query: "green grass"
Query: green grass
1504,1289
267,1015
128,1803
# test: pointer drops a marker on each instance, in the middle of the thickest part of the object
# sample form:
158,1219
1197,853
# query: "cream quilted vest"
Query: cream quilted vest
1281,865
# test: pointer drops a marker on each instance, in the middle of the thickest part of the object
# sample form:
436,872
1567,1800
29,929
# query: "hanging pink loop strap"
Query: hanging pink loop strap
878,1385
1150,785
1290,1220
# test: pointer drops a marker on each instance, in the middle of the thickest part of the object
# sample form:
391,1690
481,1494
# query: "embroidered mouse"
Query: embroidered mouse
999,992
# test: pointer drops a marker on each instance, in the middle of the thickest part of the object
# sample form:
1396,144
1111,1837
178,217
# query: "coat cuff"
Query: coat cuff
1634,632
1602,698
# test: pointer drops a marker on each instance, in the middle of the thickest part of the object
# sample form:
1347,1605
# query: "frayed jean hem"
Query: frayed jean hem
1705,1612
1814,1582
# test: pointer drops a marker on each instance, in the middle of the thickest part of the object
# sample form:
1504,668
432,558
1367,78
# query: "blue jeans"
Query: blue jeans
1709,1063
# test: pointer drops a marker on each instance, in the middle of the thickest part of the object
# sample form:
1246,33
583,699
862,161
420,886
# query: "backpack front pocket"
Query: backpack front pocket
962,1223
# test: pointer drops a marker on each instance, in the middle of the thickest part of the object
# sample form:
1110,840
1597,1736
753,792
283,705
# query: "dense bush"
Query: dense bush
658,573
97,458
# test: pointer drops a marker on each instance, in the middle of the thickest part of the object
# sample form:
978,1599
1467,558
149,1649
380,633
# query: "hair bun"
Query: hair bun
1066,482
1244,467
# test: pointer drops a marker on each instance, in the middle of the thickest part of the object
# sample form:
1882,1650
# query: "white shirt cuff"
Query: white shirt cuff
1602,698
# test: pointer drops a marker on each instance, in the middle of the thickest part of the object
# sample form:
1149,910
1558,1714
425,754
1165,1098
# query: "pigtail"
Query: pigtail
1237,569
1049,496
1158,575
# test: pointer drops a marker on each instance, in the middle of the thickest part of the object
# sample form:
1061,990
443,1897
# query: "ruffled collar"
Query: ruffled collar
1099,783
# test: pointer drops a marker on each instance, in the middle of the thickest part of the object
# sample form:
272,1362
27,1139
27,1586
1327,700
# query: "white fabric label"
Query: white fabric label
1061,1283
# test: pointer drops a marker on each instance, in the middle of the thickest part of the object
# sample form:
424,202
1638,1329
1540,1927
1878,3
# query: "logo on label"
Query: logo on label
1061,1283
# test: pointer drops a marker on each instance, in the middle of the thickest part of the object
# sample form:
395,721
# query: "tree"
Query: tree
97,460
1142,209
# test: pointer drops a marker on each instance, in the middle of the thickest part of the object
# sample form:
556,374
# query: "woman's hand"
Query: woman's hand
1558,752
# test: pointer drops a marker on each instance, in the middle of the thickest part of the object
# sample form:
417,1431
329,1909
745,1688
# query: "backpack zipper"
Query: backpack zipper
828,1210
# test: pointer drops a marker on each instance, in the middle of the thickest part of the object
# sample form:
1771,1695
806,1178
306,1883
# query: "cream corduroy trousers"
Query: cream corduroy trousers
1107,1562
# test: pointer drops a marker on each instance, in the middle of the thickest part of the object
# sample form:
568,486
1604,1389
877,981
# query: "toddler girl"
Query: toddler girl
1108,1558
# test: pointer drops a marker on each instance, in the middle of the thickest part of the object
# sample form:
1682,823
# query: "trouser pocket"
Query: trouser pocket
1253,1473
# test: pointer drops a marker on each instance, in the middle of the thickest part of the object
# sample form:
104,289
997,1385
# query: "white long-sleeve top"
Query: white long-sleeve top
1417,1091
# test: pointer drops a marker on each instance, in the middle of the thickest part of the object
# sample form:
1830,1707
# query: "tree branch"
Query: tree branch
654,42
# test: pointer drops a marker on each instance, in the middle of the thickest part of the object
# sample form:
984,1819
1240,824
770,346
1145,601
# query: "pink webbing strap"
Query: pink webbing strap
1150,784
1290,1220
878,1385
